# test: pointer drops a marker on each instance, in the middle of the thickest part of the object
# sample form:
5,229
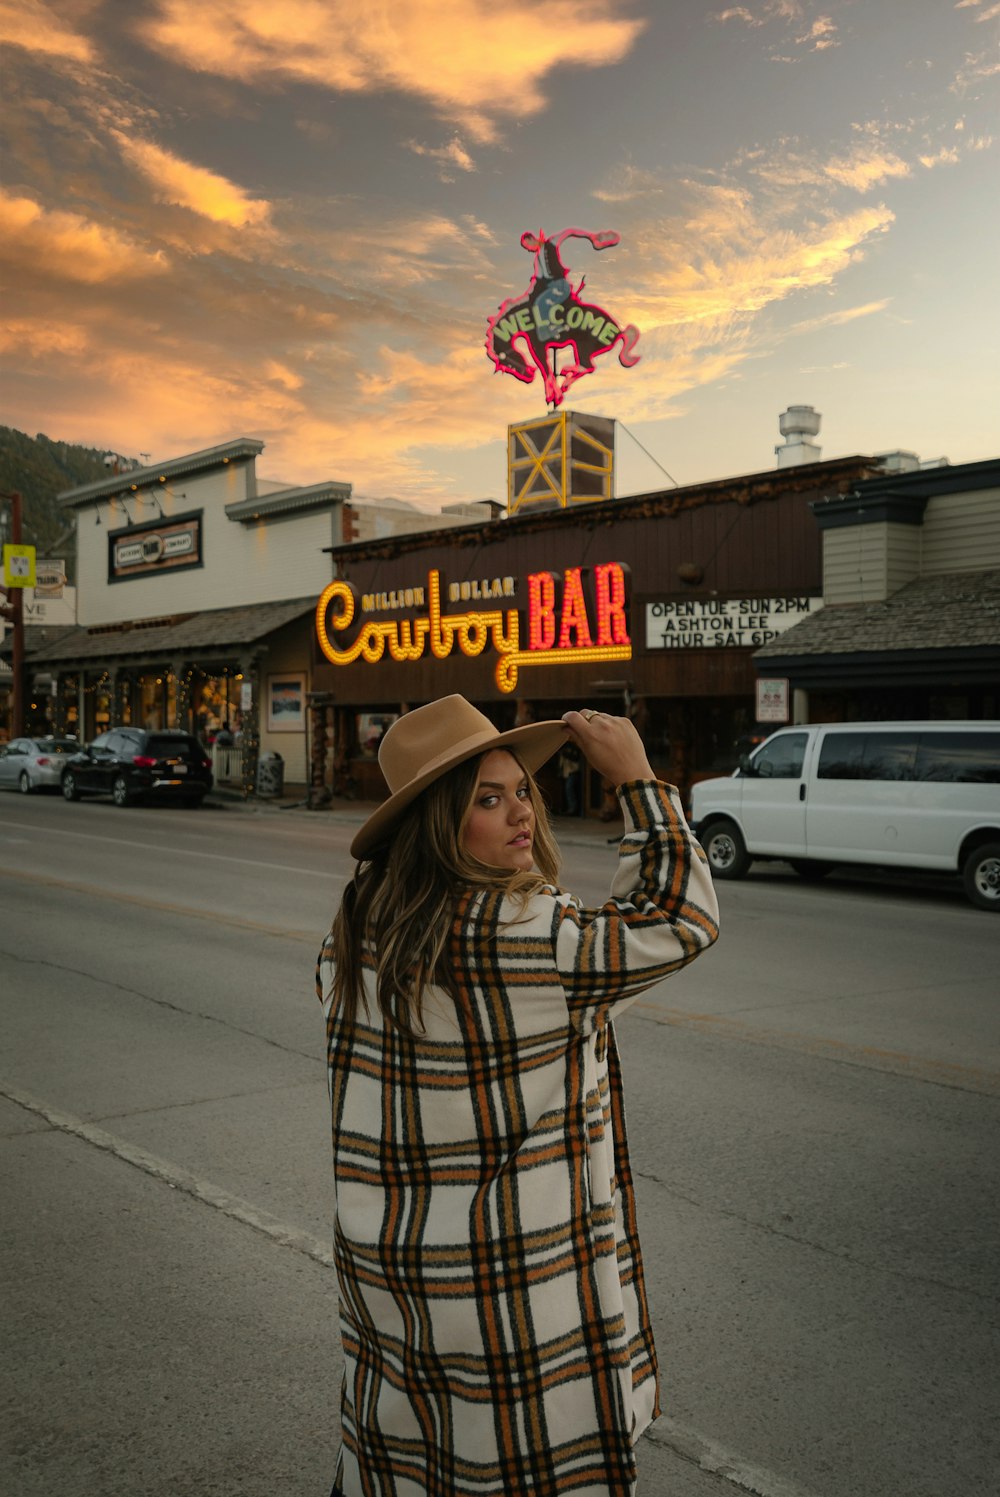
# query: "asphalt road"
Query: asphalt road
813,1115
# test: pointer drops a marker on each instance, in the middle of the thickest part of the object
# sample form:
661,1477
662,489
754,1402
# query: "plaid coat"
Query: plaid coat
496,1335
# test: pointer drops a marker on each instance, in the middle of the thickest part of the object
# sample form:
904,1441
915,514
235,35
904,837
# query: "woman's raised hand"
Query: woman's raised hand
611,745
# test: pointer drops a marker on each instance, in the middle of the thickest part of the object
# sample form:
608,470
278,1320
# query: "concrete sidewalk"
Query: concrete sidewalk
580,831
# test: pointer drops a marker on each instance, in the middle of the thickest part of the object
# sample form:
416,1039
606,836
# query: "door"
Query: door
861,800
774,810
94,773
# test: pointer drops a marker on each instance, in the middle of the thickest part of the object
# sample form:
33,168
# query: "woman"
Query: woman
496,1335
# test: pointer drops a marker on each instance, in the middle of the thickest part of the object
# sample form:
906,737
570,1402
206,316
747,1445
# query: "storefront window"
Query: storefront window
68,724
102,709
215,702
126,697
725,731
371,726
152,702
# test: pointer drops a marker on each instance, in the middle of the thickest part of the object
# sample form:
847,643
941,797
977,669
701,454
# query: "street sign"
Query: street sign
772,700
18,565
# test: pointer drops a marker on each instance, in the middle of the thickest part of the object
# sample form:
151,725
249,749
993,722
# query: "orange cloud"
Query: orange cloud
68,246
731,262
406,252
629,183
36,27
473,60
820,36
990,13
946,156
838,319
449,157
865,167
282,375
31,338
204,192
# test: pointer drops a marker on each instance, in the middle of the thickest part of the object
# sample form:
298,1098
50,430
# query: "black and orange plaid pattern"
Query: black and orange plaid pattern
495,1328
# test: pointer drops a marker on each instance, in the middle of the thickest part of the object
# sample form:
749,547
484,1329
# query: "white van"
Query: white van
907,795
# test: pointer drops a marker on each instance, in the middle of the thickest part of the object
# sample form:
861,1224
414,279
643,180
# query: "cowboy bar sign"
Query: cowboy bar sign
528,332
575,617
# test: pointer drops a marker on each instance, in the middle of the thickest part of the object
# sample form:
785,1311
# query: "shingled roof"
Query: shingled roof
219,631
959,610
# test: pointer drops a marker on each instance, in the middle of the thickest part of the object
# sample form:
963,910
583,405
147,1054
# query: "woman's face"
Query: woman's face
500,828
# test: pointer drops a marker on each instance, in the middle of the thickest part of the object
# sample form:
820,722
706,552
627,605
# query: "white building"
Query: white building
196,585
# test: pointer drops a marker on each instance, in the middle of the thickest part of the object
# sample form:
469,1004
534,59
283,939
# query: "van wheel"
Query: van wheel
811,869
726,851
981,876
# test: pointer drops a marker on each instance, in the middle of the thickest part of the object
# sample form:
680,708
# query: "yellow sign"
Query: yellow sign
19,566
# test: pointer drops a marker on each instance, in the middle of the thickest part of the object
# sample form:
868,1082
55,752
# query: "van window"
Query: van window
867,756
889,756
780,758
963,758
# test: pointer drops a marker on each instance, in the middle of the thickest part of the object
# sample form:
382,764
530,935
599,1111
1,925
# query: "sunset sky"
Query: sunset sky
292,221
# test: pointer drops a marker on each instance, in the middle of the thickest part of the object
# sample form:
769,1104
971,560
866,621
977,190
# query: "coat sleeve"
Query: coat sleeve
661,915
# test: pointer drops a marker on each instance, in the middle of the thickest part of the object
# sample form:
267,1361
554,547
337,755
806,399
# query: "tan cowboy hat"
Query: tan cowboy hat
424,744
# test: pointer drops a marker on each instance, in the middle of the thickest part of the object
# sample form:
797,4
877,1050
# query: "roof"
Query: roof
902,497
957,610
241,449
819,480
219,630
288,501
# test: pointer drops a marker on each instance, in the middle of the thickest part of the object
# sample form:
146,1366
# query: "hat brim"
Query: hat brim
533,744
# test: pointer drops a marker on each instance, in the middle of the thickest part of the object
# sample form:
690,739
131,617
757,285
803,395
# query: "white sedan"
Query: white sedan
28,764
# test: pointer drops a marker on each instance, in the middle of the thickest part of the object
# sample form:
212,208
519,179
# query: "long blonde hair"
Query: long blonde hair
397,910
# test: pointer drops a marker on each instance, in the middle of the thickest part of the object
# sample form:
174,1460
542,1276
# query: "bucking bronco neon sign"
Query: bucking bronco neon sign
550,316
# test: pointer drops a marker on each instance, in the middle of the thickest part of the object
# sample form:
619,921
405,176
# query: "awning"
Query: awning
216,632
943,629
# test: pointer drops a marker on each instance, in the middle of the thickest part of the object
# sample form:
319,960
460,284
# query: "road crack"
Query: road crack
841,1255
164,1003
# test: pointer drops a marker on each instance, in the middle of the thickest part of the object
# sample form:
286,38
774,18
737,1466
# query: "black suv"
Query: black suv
131,764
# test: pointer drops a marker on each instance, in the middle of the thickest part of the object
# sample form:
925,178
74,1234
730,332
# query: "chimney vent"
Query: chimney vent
796,425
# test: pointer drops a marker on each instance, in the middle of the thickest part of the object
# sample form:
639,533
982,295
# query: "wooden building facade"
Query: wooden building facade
651,605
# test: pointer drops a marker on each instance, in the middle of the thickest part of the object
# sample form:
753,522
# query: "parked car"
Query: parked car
132,764
28,764
904,795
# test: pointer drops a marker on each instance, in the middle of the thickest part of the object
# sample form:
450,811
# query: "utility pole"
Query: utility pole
14,610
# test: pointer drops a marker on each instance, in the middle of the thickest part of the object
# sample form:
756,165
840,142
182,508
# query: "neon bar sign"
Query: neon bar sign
550,316
561,629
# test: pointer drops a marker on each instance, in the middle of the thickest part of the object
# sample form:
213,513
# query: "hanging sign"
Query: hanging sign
572,619
159,546
527,333
50,578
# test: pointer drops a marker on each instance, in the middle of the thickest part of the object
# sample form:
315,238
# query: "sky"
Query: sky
292,221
